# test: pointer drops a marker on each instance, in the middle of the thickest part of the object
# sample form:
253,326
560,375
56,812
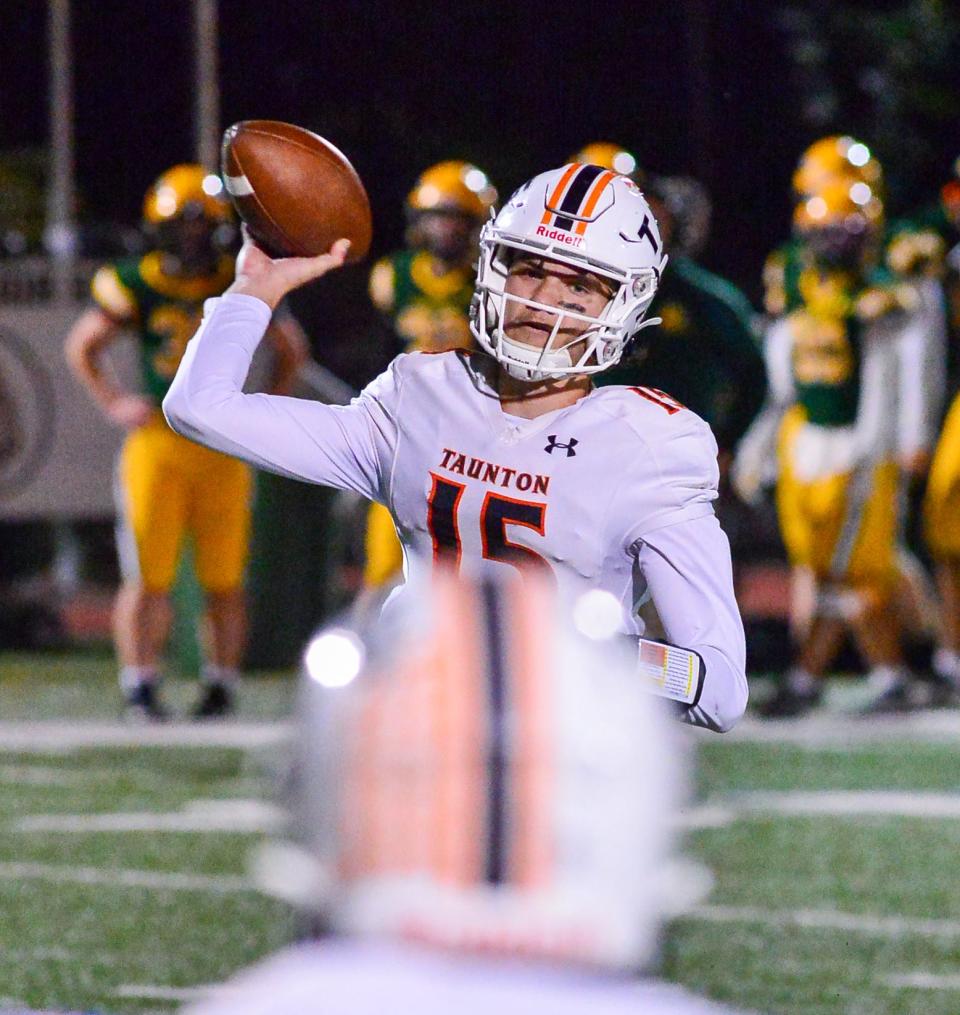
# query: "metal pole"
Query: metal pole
206,107
60,237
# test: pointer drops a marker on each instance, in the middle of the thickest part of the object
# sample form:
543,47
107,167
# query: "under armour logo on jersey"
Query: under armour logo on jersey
568,447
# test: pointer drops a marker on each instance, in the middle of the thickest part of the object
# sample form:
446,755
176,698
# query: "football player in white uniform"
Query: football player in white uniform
508,458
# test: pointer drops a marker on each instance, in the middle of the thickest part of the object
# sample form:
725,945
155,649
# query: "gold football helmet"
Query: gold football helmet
446,208
836,203
185,185
837,156
841,224
609,156
453,186
188,218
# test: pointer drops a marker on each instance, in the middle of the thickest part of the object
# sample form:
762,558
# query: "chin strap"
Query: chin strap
538,369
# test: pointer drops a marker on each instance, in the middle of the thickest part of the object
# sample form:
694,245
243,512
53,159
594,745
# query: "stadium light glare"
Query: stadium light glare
596,614
858,154
816,207
624,162
430,195
860,193
334,658
476,180
166,201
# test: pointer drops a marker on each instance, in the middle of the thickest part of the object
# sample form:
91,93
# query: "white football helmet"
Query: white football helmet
482,771
589,218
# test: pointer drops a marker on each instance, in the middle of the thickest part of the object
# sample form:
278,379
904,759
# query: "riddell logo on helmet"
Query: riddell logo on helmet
559,234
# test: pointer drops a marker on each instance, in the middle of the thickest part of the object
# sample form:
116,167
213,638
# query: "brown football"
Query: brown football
296,192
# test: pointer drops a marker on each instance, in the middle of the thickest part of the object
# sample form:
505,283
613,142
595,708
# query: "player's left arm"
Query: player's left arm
689,575
684,558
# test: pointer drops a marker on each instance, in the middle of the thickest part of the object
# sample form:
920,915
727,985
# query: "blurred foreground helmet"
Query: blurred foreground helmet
841,224
610,156
489,776
591,219
454,187
836,157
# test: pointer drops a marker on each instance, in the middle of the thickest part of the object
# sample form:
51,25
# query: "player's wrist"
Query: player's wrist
265,292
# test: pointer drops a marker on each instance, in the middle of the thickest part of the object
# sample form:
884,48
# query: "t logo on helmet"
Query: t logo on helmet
644,232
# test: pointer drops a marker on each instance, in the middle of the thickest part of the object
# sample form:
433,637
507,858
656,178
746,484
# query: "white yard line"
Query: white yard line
50,777
125,878
923,981
840,731
155,993
825,803
854,803
243,817
58,735
827,919
45,954
712,814
37,775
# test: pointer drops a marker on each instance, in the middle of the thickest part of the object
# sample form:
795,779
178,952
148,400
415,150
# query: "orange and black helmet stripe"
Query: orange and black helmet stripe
446,770
592,198
575,196
553,201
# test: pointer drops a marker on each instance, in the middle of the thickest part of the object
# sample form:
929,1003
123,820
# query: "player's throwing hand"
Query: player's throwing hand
270,279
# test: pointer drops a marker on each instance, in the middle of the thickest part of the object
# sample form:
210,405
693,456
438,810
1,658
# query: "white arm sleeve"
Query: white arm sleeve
922,370
348,447
689,575
755,464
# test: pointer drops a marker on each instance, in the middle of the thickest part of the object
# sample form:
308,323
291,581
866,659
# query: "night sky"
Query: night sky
514,87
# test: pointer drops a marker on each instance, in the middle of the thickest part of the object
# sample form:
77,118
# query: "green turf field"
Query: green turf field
123,862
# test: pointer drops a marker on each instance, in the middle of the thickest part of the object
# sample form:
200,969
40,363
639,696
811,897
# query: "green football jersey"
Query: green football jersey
164,310
427,307
826,358
910,246
827,337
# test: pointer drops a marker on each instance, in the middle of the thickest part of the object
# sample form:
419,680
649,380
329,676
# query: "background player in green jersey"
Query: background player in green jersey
851,413
167,487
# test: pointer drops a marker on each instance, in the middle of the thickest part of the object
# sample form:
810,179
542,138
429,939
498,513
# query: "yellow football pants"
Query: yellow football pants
384,557
941,506
842,527
168,487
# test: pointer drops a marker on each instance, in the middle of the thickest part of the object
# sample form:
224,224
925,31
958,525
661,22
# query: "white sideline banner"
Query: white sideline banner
57,451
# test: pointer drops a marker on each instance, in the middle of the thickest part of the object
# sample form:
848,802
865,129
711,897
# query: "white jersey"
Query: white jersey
613,492
343,977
